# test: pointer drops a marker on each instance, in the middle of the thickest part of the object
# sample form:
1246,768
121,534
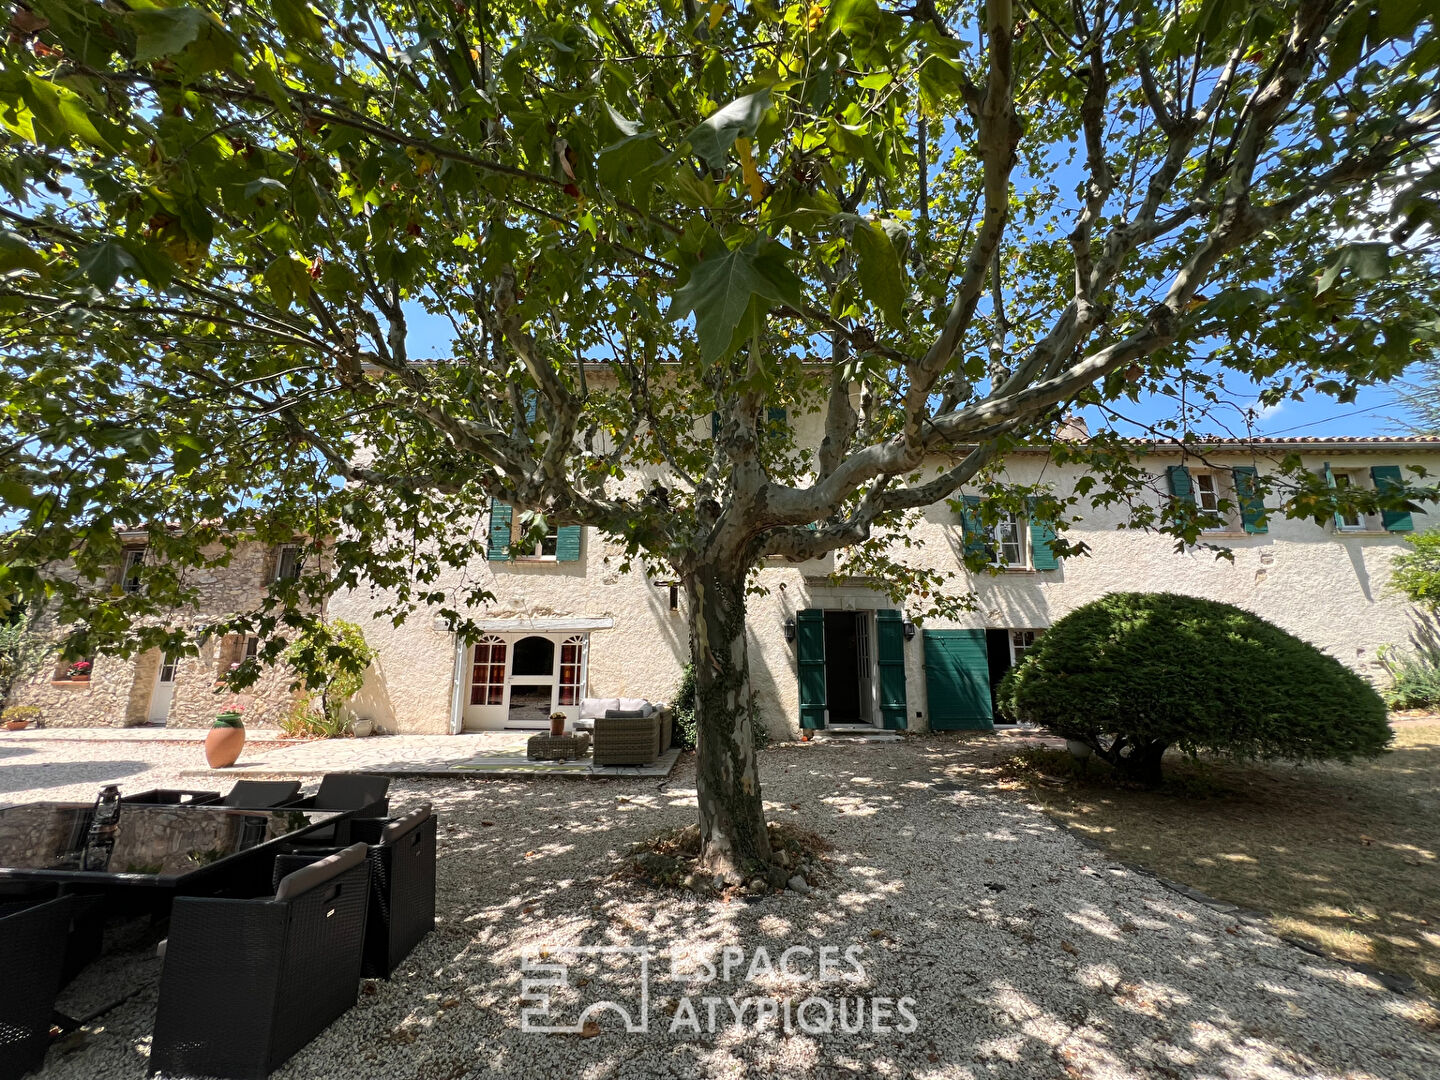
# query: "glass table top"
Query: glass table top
154,842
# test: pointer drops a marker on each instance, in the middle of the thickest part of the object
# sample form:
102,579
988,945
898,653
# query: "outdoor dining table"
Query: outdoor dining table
155,853
184,849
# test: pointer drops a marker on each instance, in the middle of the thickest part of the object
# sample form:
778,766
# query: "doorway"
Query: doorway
849,668
164,692
517,681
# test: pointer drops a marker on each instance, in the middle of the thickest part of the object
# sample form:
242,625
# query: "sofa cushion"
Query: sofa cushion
392,832
592,707
317,873
635,704
625,714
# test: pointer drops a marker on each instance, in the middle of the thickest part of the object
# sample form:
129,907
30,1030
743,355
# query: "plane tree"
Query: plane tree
353,270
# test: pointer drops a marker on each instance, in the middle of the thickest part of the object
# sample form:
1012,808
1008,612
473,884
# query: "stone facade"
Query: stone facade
1327,584
121,692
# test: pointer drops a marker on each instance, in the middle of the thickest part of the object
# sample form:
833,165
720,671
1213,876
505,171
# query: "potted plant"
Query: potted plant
79,671
19,717
557,724
226,739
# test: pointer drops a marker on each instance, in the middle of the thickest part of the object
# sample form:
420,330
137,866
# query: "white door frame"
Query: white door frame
496,717
162,694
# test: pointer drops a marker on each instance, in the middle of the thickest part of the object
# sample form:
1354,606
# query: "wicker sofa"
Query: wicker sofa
625,731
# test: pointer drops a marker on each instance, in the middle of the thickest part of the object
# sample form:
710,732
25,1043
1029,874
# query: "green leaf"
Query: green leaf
1367,262
104,263
721,290
712,138
882,278
297,22
17,254
167,31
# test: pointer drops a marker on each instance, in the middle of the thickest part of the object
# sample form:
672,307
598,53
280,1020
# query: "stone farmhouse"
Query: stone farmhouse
566,622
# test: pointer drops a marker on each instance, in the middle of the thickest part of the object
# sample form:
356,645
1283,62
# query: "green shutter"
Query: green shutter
1042,557
567,543
977,538
1387,478
810,657
1180,485
957,680
1252,507
499,531
1329,475
890,659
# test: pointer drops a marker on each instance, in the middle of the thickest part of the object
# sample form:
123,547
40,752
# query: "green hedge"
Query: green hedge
1134,673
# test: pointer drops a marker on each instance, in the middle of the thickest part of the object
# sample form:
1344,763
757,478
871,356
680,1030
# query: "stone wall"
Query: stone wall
119,691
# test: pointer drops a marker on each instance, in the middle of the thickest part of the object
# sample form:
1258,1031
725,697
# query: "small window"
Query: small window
252,647
130,580
547,547
74,670
288,562
1008,536
1209,493
1021,642
1350,520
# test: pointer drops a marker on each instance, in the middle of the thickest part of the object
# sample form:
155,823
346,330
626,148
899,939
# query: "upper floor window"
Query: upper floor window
288,561
561,544
1209,493
1349,518
1007,541
545,547
130,580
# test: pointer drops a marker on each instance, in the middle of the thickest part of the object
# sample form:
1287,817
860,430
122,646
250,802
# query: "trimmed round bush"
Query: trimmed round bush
1132,674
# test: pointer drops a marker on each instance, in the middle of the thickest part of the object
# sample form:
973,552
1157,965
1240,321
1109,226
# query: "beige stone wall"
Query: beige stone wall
119,691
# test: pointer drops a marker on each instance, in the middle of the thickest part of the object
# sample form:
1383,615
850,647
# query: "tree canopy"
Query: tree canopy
935,226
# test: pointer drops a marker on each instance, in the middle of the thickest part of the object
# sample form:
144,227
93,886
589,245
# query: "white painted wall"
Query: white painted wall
1329,588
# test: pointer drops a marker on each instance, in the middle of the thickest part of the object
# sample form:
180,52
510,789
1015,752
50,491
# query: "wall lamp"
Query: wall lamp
790,629
909,628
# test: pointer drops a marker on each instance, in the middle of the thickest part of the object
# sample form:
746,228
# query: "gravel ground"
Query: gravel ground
1026,954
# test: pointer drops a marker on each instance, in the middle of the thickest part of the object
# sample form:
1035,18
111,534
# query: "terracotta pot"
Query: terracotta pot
16,725
223,746
557,726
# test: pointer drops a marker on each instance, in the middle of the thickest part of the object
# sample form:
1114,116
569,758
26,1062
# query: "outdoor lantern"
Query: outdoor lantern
909,628
790,629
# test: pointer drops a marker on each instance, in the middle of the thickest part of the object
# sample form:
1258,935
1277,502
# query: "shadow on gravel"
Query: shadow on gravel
1020,952
22,776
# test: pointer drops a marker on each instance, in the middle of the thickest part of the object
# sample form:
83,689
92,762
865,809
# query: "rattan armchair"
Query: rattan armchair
631,740
32,962
402,885
248,983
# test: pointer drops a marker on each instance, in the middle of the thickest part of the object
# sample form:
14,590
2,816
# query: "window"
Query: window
252,647
130,580
572,670
487,672
1008,538
1208,495
546,548
288,562
74,671
1350,519
1021,642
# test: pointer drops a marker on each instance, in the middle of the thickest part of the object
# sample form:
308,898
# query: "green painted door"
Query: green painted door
810,657
890,663
957,680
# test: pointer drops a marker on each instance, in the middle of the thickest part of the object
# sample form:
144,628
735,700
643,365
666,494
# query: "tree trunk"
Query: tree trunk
1141,762
733,838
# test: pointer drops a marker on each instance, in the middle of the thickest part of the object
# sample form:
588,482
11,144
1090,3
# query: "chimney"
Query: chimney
1072,429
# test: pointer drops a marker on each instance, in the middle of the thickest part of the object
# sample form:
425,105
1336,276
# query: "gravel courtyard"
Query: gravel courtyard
1026,953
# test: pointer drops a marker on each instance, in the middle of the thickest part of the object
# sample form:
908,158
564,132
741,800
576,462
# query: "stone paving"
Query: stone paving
491,753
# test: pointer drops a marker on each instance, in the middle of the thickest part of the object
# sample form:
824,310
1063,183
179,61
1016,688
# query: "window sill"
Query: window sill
535,558
69,682
1362,532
